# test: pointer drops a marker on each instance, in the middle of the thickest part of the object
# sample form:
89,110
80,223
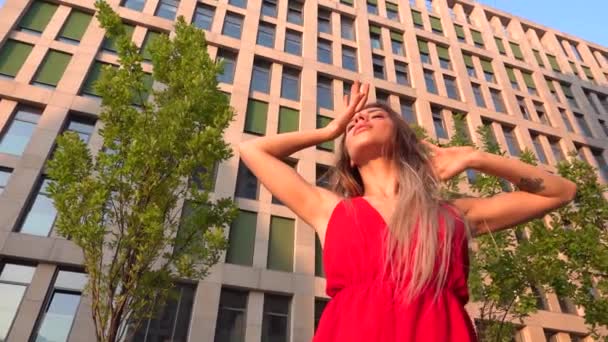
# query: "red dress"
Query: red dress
363,308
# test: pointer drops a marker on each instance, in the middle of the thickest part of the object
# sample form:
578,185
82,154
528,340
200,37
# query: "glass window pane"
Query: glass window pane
71,280
203,17
269,8
429,79
12,57
52,68
246,183
75,26
266,35
293,42
229,59
281,244
10,299
110,44
151,36
18,135
261,77
167,9
290,84
136,5
230,325
232,25
324,93
241,239
324,51
41,215
58,318
238,3
37,16
17,273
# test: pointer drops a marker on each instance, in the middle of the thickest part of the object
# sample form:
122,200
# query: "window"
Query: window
541,300
320,305
378,65
604,127
324,51
75,26
601,163
275,322
478,95
293,42
436,25
429,5
529,83
347,28
52,68
151,37
468,62
230,325
260,80
500,45
290,84
294,12
417,18
569,95
172,321
499,105
538,58
444,57
460,33
322,121
246,183
423,48
512,78
477,39
324,20
203,17
516,51
136,5
540,152
5,174
20,130
591,101
566,305
12,57
439,123
552,89
269,8
232,25
229,59
429,80
82,126
397,43
322,179
347,2
488,71
382,97
14,280
281,243
511,140
603,100
451,87
324,93
573,67
266,34
540,112
582,124
61,306
372,7
558,154
566,120
288,120
401,73
392,11
375,37
588,73
241,239
37,17
550,336
577,54
41,213
349,58
553,63
407,110
523,109
238,3
255,118
167,9
109,44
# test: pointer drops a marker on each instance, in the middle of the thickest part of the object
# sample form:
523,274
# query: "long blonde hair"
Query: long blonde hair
417,251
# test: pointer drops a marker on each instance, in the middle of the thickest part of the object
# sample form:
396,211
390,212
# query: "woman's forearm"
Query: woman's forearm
285,144
526,177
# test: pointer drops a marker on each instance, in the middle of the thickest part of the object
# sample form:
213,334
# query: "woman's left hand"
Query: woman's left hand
448,162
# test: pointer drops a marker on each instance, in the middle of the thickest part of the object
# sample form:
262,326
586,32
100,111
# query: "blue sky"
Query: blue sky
583,18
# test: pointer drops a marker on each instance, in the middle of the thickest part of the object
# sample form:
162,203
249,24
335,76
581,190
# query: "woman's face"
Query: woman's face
367,134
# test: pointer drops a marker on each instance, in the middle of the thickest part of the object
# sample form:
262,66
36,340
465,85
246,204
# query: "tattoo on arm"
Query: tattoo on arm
532,185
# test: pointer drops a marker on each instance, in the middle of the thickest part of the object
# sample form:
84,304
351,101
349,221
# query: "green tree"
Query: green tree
512,268
122,205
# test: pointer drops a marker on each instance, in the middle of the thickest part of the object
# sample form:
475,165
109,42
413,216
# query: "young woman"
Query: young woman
395,253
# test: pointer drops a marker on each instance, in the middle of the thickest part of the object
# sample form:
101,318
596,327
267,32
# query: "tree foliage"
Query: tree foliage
122,205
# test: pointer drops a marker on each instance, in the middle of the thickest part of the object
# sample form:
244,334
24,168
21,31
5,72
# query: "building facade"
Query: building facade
287,65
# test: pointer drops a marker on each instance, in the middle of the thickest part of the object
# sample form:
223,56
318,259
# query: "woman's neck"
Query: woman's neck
379,178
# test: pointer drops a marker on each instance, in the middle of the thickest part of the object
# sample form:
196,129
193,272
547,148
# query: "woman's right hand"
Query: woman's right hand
352,104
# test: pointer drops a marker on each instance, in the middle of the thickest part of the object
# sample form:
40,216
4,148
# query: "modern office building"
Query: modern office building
287,65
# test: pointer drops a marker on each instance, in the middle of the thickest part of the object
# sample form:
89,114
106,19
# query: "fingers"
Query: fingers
354,89
363,101
345,101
